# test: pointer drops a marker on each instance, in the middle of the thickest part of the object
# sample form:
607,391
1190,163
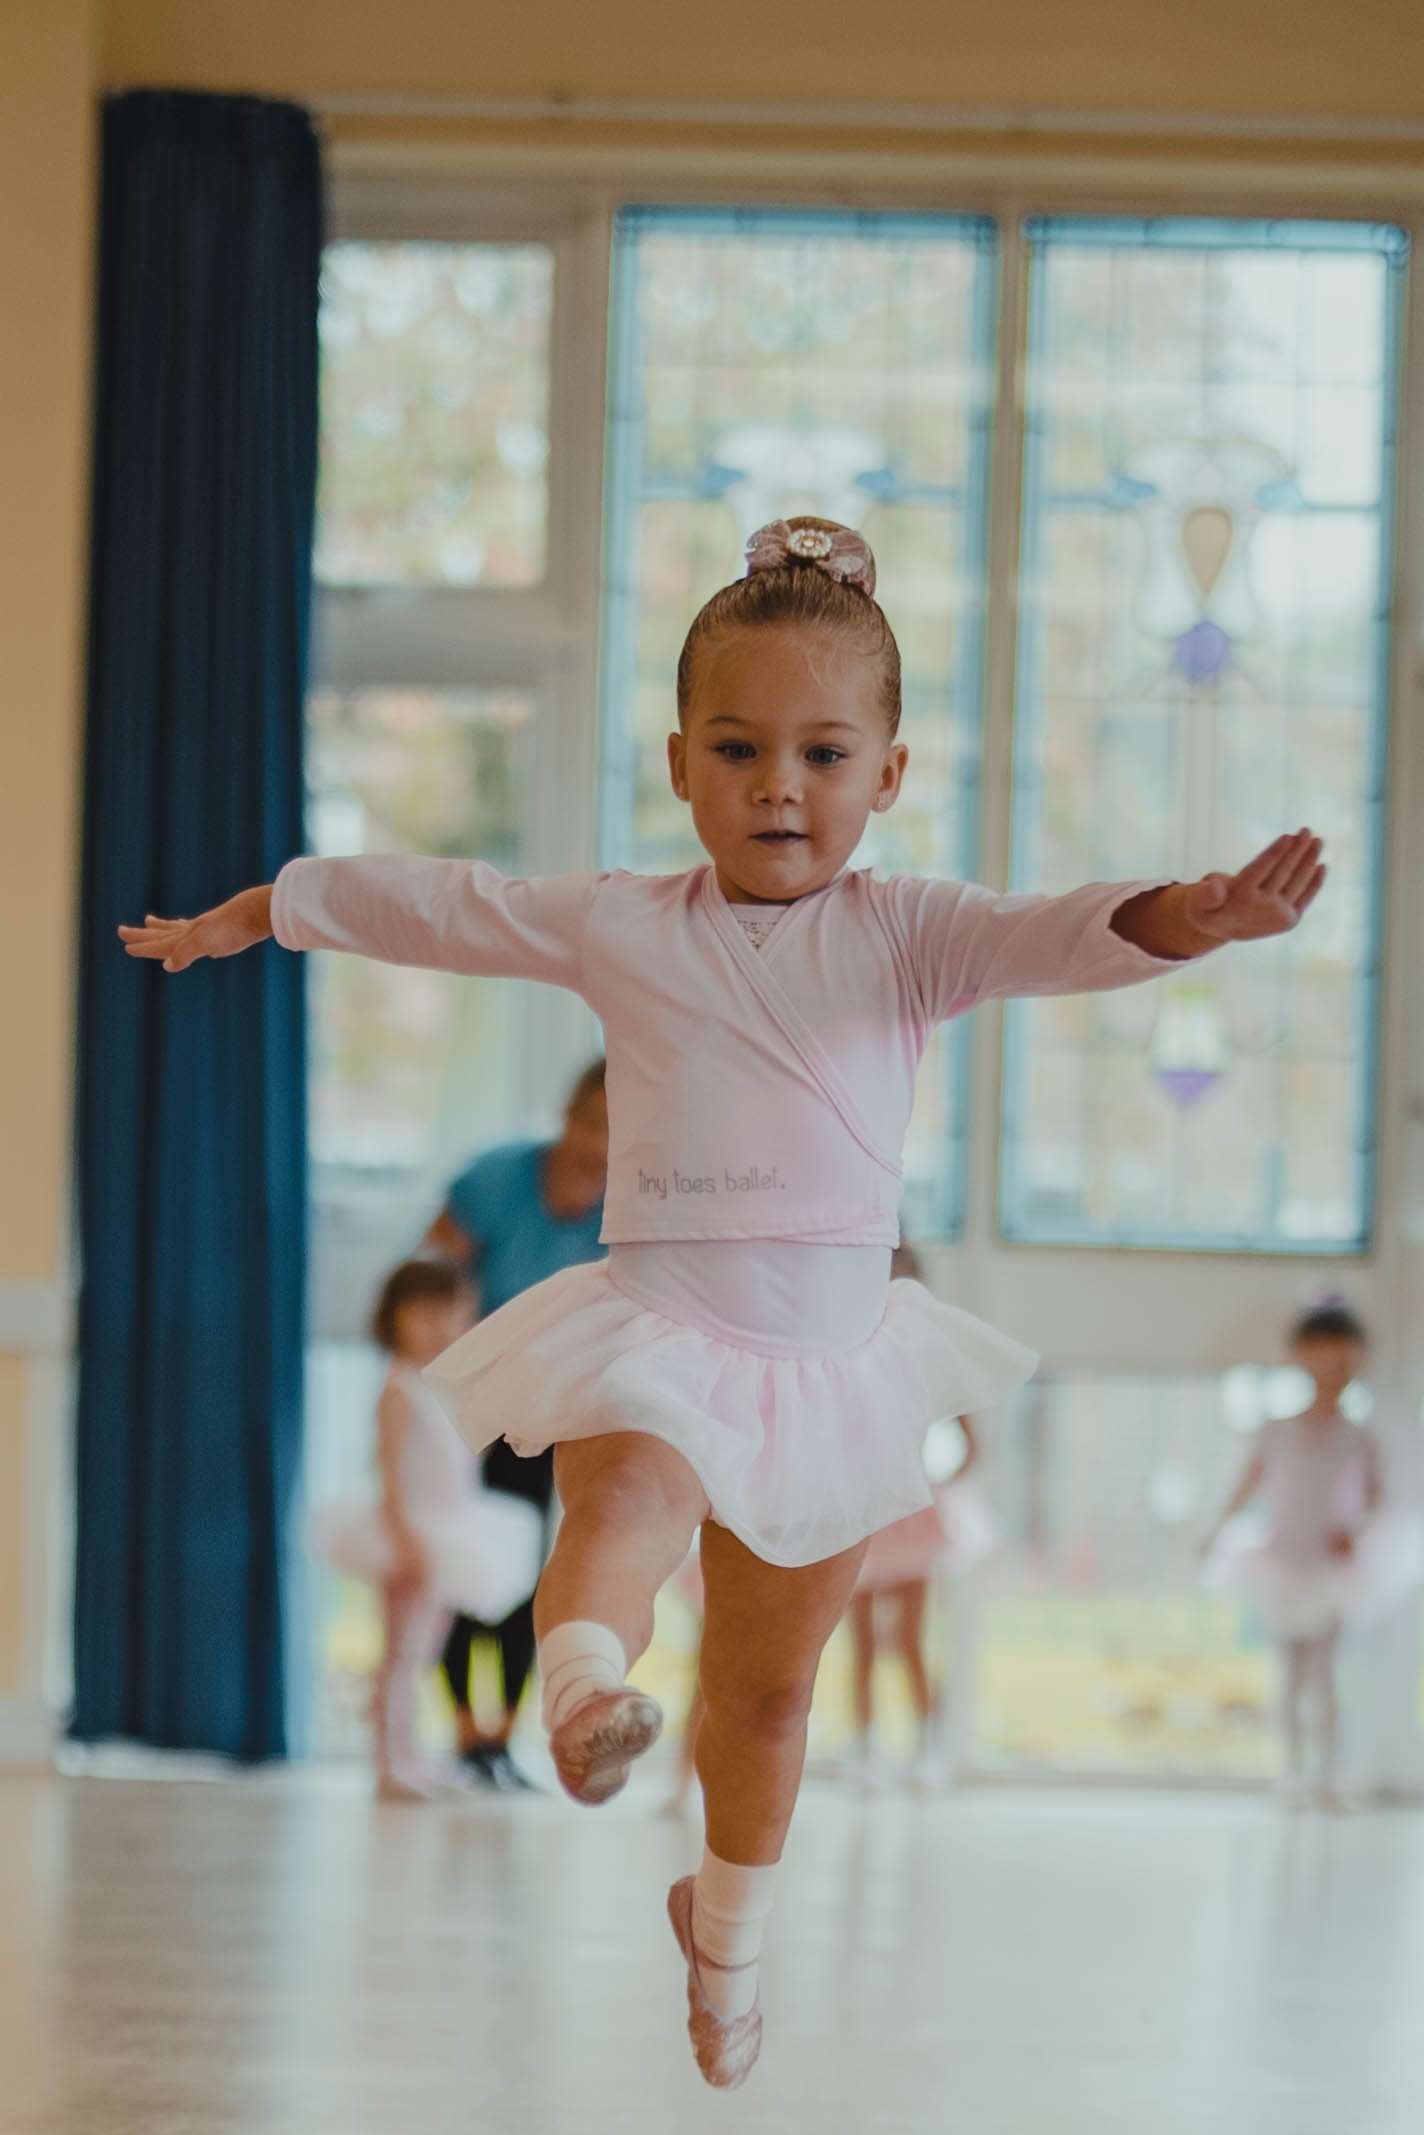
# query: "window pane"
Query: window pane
769,363
1203,663
434,414
411,1072
1098,1648
410,1067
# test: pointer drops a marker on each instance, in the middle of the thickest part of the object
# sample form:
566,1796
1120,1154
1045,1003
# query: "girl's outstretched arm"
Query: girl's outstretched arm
441,915
966,944
241,923
1268,896
1239,1499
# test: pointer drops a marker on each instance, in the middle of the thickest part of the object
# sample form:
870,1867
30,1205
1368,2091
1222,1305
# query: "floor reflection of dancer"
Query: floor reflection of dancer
516,1216
1307,1540
742,1359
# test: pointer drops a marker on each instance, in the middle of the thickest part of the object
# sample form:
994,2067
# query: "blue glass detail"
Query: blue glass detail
1201,653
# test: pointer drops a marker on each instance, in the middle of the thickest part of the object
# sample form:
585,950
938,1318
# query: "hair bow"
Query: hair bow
843,555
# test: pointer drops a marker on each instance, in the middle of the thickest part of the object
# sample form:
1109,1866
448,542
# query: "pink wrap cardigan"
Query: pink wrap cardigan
751,1093
755,1095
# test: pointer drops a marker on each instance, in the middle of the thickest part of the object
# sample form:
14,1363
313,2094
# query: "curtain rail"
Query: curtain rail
898,118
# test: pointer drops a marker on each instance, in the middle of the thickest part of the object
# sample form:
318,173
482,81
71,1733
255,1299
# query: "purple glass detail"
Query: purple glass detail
1186,1086
1204,652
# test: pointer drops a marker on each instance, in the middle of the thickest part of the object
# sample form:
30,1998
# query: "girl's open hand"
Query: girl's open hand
1268,897
241,923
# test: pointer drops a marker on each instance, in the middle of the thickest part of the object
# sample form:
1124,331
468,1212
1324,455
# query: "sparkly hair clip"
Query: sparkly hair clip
843,555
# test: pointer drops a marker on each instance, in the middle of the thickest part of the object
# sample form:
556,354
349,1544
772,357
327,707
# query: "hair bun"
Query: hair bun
839,551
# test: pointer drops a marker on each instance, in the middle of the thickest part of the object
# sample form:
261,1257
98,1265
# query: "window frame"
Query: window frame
1192,235
1084,1306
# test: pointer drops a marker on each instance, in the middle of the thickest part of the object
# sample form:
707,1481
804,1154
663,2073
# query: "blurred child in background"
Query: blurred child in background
433,1540
1307,1540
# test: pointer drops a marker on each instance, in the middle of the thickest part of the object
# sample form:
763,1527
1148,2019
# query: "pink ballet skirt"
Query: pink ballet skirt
485,1554
801,1455
485,1547
1275,1556
958,1529
1306,1596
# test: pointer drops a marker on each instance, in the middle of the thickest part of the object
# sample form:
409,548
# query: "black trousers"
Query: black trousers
533,1480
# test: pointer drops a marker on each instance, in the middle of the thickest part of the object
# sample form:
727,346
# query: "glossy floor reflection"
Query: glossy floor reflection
279,1955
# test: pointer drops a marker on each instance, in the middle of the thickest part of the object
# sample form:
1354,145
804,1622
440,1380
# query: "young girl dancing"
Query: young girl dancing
956,1530
1328,1555
742,1359
434,1540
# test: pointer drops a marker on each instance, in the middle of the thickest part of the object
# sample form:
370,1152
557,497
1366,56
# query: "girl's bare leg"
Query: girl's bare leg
686,1770
415,1621
861,1618
910,1600
630,1507
762,1638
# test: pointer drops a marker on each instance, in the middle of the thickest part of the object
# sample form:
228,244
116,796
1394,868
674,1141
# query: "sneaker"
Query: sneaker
476,1760
506,1773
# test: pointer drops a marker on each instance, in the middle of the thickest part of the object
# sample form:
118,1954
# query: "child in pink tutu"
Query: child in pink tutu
742,1358
957,1531
1307,1540
433,1540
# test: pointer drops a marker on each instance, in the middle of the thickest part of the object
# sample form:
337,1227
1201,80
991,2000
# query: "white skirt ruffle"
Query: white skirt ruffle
1307,1596
485,1555
800,1456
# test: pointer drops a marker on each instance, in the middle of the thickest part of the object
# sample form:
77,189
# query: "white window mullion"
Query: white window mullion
555,1033
1388,1700
996,759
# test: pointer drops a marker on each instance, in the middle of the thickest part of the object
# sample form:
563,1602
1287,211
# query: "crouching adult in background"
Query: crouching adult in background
518,1214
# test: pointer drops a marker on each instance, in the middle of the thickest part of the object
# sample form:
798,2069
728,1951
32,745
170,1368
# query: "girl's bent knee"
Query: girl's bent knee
638,1481
764,1711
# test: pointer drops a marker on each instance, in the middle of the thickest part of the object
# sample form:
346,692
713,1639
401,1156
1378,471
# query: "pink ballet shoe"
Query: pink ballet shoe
594,1748
725,2048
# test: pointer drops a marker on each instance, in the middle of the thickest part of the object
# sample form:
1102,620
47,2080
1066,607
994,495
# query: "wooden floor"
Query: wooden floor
278,1954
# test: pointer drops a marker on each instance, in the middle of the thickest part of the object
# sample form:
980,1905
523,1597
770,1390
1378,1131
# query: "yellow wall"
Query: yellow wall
46,187
1297,57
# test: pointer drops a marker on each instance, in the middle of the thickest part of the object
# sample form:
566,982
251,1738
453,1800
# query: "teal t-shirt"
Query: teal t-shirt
499,1205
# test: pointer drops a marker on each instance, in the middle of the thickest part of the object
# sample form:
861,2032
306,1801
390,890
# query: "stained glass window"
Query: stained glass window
1203,663
768,363
435,414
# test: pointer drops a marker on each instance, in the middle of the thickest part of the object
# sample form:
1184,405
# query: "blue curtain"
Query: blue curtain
191,1102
